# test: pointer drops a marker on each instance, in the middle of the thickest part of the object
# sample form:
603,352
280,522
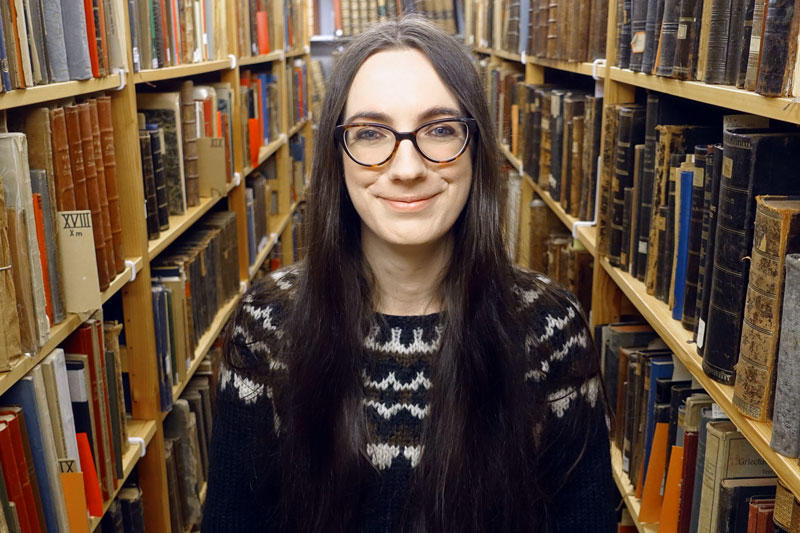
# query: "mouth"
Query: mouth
409,204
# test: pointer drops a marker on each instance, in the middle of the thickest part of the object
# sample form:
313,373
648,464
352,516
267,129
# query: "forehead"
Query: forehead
400,83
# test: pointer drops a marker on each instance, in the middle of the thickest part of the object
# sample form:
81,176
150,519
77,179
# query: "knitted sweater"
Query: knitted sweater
243,478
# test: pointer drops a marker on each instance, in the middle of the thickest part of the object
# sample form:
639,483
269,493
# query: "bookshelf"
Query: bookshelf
133,285
616,293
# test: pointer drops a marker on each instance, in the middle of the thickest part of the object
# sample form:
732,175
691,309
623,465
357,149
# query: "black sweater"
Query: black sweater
243,482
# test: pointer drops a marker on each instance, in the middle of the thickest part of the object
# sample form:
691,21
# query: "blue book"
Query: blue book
251,225
4,77
684,221
657,367
264,96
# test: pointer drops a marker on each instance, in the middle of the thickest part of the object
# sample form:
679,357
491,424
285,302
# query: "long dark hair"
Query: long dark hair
477,470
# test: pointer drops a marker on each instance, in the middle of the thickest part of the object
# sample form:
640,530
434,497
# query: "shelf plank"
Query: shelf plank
122,278
586,236
180,223
57,91
143,429
275,55
298,52
180,71
626,489
265,152
587,69
205,343
680,342
297,127
719,95
279,222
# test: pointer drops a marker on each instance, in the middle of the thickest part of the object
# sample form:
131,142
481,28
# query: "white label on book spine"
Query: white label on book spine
701,332
717,412
637,43
682,29
642,247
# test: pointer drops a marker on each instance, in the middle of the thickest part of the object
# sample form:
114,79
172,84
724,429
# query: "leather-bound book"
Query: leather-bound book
735,45
630,132
545,138
605,179
632,216
624,33
689,316
533,120
76,157
747,33
110,165
665,56
708,235
754,49
625,238
225,221
65,190
755,162
776,232
157,154
592,115
556,142
539,230
652,29
689,18
666,264
780,30
101,186
11,46
23,281
717,50
638,27
597,30
786,415
645,201
573,108
552,29
150,201
576,167
188,122
93,194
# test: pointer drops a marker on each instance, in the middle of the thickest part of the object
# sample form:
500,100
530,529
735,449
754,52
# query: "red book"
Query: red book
88,10
764,520
15,418
337,17
208,118
94,497
11,476
259,105
39,218
176,32
98,325
219,123
262,27
299,92
255,131
687,480
162,5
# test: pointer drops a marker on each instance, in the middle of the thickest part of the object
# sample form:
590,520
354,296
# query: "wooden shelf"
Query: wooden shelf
205,343
56,91
275,55
510,56
587,69
719,95
626,489
276,221
299,126
180,71
297,52
122,278
143,429
680,342
265,152
180,223
586,236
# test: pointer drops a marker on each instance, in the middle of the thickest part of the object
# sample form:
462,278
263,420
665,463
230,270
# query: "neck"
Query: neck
407,278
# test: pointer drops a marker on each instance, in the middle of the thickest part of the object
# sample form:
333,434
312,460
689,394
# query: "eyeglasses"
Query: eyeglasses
439,141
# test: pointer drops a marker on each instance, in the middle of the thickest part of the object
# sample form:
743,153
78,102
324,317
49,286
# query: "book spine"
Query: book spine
189,123
76,157
689,317
754,50
669,37
606,177
684,39
65,190
718,41
157,154
638,33
110,167
626,228
556,143
576,174
655,11
50,252
786,416
684,216
108,247
708,239
630,133
645,212
735,43
775,47
744,56
151,203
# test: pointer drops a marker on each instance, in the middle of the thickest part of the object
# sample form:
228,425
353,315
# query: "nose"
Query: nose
407,163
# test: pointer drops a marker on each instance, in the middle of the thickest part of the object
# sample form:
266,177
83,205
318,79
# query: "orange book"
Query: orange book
11,475
75,498
262,28
208,117
103,48
176,33
259,90
219,124
652,498
39,218
337,17
255,132
88,10
17,46
91,485
672,492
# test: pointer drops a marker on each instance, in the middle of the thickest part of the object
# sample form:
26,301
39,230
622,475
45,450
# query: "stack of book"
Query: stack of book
351,17
192,280
259,112
751,44
63,434
687,463
57,41
60,191
167,33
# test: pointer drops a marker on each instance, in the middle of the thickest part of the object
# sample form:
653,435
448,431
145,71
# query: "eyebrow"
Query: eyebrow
383,117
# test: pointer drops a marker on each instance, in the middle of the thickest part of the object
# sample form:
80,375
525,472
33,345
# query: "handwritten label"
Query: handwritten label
727,167
682,30
637,43
642,247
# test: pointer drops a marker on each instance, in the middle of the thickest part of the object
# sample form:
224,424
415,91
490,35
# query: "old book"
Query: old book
178,426
666,239
707,240
780,28
156,153
683,217
101,187
189,144
10,346
164,109
686,44
755,162
22,34
613,338
665,56
150,199
10,44
110,166
784,503
744,55
54,369
78,171
631,122
18,255
556,142
605,179
543,95
93,194
754,49
717,46
786,417
15,472
597,30
173,487
538,234
776,232
633,213
732,509
624,33
593,112
62,170
19,197
130,499
735,46
638,27
575,167
645,199
42,187
689,317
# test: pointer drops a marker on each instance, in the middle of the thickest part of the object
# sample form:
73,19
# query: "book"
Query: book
148,177
10,342
631,123
45,222
15,475
693,268
189,139
156,135
779,32
683,218
106,126
105,216
732,509
707,414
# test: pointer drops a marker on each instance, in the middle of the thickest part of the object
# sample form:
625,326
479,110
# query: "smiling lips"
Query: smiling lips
409,205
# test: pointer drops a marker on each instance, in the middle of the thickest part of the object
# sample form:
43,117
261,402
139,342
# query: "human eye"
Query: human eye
367,134
444,130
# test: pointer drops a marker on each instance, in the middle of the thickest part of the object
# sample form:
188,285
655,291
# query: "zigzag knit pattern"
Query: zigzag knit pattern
397,385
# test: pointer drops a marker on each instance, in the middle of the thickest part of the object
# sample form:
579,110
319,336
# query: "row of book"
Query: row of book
261,202
259,111
681,210
687,462
751,44
257,30
351,17
170,33
191,280
63,434
299,168
298,94
60,195
59,40
560,30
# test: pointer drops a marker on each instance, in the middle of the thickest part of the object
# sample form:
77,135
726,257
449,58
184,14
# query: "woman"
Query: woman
406,376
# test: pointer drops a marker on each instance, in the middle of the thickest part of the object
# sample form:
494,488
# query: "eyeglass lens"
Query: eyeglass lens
372,144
